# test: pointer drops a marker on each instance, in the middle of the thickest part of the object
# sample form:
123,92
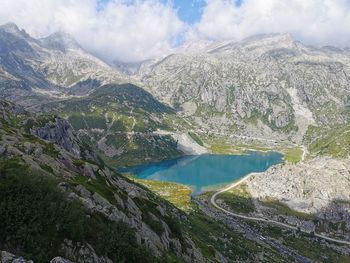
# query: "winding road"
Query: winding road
261,219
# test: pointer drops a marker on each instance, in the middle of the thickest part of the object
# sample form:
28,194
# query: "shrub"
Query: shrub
36,217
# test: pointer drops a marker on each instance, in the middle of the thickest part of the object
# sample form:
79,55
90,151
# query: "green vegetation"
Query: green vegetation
335,143
221,147
304,244
257,115
210,235
36,217
205,110
142,148
283,209
238,199
196,138
292,155
124,116
312,133
65,78
177,194
48,149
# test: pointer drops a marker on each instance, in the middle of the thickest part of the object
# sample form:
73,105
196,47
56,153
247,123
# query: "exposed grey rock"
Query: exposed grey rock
116,207
83,253
89,170
2,149
309,186
119,201
22,260
33,67
100,200
83,191
60,260
58,132
274,79
7,257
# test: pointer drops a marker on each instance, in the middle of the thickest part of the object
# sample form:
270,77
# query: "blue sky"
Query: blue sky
189,11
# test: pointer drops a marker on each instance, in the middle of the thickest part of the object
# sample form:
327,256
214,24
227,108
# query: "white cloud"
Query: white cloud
319,22
131,30
120,29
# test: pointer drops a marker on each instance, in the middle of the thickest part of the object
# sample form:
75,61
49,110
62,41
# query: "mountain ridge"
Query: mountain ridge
69,120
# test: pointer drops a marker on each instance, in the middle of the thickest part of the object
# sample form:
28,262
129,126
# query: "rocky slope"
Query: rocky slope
317,189
47,66
54,74
79,177
309,187
265,89
270,86
55,190
120,122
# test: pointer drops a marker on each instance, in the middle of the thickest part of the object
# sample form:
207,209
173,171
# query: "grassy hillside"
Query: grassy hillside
335,143
81,208
57,203
119,122
37,217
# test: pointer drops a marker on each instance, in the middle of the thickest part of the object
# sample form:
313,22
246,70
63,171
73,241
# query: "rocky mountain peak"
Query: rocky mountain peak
10,28
194,46
202,46
61,41
270,38
260,44
13,29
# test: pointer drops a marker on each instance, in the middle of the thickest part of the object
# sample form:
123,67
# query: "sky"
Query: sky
134,30
189,11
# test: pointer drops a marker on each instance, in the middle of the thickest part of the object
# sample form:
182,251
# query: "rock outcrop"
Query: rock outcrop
6,257
52,150
58,131
308,187
271,79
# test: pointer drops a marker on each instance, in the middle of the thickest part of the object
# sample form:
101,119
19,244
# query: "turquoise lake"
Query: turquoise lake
205,172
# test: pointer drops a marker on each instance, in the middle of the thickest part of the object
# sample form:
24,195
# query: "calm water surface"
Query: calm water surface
208,171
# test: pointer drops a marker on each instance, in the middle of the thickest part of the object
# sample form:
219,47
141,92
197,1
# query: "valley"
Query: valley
71,124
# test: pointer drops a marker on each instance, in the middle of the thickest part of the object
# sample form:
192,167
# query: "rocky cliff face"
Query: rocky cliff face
272,79
269,86
58,131
318,189
264,86
307,187
47,65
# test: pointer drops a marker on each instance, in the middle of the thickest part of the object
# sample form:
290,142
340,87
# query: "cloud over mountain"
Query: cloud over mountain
131,30
318,22
123,30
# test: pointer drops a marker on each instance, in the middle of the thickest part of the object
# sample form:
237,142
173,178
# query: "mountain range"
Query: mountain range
270,86
69,120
